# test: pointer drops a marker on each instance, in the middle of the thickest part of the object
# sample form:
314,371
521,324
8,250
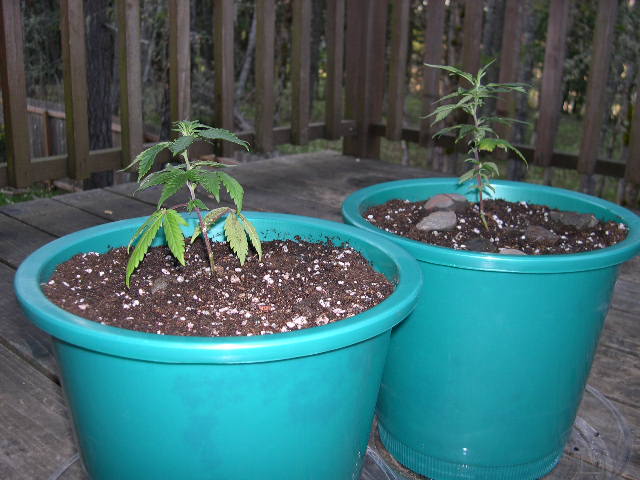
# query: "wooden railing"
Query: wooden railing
355,34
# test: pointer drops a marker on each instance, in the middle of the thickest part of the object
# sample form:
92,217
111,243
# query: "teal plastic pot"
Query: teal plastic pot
484,379
289,405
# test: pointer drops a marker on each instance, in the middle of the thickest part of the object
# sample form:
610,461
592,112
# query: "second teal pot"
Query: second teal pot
484,379
290,405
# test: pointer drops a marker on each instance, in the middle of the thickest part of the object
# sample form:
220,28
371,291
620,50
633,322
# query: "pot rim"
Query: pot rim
91,335
356,203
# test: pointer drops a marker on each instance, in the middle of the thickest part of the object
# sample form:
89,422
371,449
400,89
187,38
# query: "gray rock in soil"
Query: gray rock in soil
510,251
540,235
479,244
446,202
581,221
441,220
159,284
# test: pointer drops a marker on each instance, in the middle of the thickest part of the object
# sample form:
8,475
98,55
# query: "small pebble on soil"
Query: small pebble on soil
514,228
296,285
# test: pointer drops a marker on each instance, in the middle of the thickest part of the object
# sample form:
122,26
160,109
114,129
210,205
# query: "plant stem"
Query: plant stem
203,227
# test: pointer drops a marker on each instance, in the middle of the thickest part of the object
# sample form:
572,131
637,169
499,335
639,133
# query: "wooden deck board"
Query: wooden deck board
35,433
303,184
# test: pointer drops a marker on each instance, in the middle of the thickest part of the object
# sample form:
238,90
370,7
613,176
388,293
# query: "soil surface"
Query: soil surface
296,285
513,226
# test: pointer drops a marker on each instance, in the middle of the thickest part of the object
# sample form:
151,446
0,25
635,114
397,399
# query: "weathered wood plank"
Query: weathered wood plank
335,59
616,374
128,12
433,48
34,427
31,343
596,91
224,75
105,204
75,86
51,217
365,39
626,296
179,60
551,94
472,35
622,330
18,240
265,102
14,94
300,71
632,170
397,68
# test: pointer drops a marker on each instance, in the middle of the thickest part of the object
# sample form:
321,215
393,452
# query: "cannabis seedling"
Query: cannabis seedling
191,174
479,134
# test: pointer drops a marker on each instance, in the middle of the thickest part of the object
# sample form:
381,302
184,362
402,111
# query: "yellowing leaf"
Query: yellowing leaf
236,237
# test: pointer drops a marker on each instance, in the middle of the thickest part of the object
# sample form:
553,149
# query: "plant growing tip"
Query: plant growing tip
478,133
206,175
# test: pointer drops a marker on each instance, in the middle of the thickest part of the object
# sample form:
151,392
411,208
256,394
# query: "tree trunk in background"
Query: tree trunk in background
492,43
100,48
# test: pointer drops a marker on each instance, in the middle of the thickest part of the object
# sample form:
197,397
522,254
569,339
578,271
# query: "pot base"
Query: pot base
442,470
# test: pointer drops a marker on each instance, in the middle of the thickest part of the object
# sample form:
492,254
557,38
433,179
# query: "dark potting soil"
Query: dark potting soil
511,226
296,285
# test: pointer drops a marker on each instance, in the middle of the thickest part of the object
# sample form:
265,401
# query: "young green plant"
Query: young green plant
192,174
478,133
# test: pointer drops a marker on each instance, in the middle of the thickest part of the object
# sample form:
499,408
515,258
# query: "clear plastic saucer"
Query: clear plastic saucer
599,448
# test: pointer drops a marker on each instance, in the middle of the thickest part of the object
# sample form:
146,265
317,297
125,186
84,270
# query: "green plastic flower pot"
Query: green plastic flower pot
289,405
484,379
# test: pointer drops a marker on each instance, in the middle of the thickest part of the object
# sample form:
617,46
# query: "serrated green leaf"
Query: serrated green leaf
210,181
236,192
172,185
180,144
489,144
222,134
209,219
208,163
175,238
147,158
252,233
153,217
156,178
492,167
236,237
142,247
196,203
453,70
465,177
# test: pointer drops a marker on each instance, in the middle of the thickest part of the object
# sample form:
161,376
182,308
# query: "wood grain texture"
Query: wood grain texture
300,71
18,240
29,342
128,16
74,59
472,35
433,49
52,217
179,60
335,67
223,19
105,204
14,94
397,68
550,94
34,426
596,88
265,101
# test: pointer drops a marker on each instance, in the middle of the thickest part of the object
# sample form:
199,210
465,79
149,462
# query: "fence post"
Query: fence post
596,92
397,68
179,60
335,69
472,35
14,94
632,168
224,74
366,30
551,90
300,71
265,104
128,12
74,59
432,55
